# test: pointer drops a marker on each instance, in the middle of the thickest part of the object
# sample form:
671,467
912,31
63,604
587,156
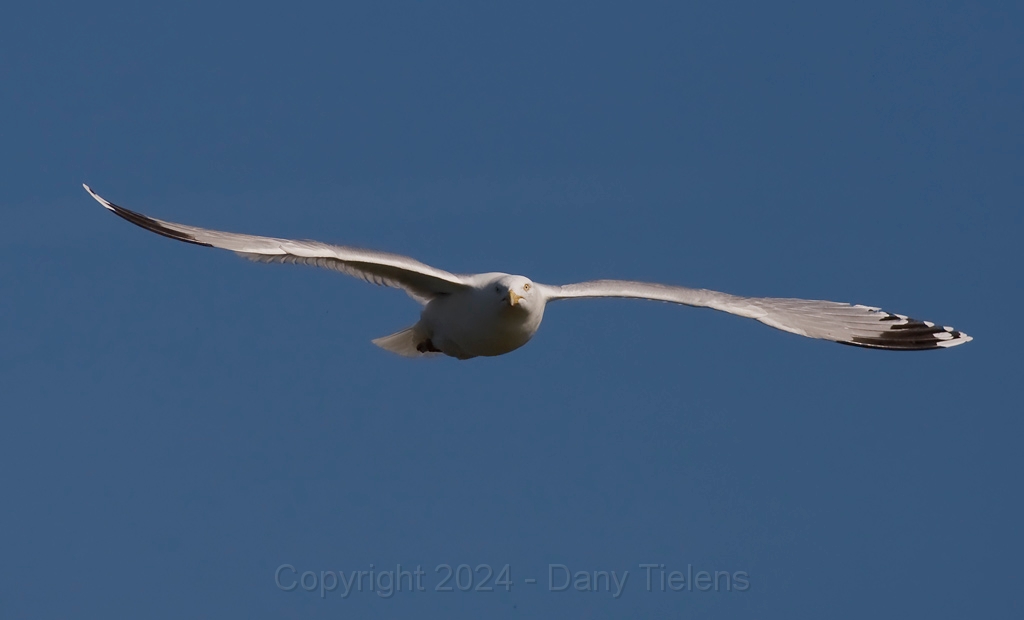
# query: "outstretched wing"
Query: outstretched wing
421,282
849,324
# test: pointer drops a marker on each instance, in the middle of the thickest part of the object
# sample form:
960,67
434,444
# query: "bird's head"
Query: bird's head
516,292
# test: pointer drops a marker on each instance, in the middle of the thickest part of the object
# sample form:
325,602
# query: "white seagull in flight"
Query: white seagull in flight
488,314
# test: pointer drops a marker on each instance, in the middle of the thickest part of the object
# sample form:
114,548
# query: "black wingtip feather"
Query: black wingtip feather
148,223
908,334
155,226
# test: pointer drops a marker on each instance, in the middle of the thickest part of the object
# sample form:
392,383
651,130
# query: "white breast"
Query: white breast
474,324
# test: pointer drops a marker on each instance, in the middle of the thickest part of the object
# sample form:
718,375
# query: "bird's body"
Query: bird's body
483,321
489,314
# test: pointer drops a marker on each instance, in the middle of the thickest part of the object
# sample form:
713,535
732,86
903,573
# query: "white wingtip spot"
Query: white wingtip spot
952,341
929,324
97,197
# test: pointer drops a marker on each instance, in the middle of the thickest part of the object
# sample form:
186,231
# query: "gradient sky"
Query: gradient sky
178,422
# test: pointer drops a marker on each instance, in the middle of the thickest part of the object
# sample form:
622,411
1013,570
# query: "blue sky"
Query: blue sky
178,423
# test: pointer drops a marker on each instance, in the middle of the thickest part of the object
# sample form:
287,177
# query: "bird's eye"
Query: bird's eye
497,289
526,286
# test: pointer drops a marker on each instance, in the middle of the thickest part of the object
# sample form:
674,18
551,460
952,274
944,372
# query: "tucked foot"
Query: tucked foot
427,347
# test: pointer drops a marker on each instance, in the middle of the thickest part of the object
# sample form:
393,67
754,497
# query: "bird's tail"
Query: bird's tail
410,342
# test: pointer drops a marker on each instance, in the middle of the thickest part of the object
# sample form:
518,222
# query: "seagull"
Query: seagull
490,314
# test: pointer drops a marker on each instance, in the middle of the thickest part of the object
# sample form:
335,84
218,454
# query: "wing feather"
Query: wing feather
857,325
420,281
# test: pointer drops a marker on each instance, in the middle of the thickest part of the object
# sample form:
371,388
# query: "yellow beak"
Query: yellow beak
513,298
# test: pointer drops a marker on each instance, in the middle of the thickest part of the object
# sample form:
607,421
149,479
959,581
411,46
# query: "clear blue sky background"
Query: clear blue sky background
178,422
